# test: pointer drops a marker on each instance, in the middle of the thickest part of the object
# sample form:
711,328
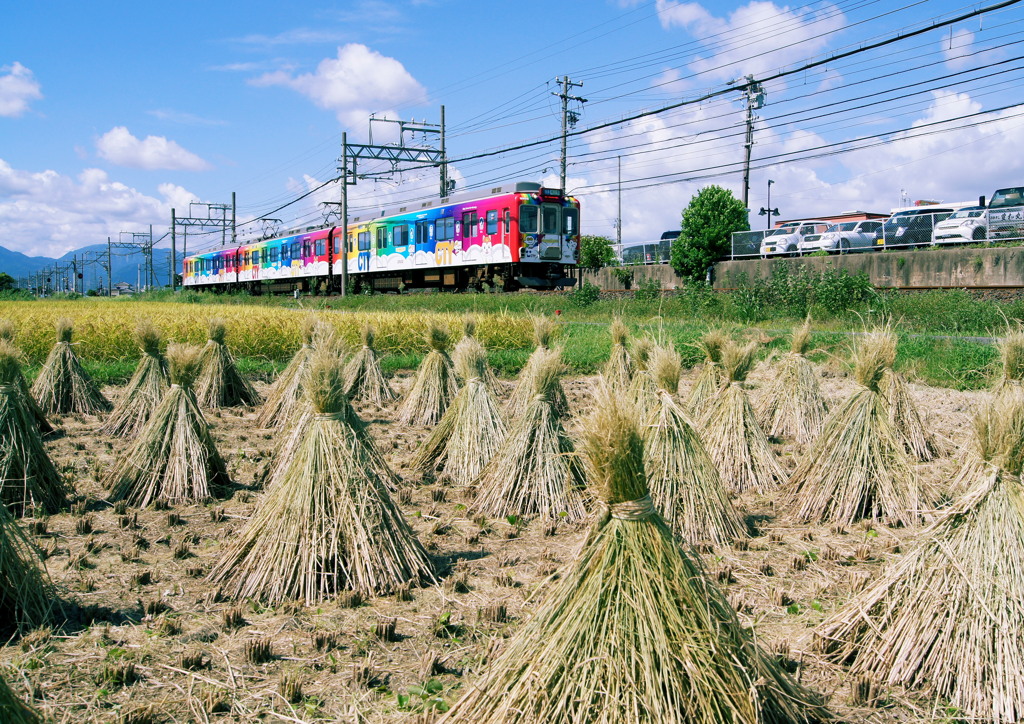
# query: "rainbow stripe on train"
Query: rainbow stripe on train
524,235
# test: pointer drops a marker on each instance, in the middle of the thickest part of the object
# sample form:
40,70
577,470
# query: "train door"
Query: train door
550,232
256,262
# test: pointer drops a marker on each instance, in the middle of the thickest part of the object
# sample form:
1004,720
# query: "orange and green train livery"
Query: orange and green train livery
522,235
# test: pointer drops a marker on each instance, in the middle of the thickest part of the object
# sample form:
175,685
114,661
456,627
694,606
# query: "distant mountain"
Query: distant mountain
128,266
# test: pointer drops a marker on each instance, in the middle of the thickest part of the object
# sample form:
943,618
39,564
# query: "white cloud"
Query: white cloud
121,148
754,38
359,81
959,51
18,88
44,213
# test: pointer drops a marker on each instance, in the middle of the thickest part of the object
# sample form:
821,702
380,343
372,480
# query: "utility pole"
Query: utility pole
174,252
110,270
344,212
754,94
618,218
569,118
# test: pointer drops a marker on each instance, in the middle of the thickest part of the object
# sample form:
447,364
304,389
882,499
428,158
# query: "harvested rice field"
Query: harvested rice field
150,639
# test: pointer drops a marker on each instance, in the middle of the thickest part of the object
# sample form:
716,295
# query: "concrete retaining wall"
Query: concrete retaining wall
996,268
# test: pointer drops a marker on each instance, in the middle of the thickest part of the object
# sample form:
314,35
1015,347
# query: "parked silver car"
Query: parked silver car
967,224
842,238
786,238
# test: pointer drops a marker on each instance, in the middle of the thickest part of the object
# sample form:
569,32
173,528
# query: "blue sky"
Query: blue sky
109,116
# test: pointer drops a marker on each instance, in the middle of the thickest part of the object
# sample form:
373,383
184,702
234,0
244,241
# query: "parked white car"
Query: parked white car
843,237
786,238
967,224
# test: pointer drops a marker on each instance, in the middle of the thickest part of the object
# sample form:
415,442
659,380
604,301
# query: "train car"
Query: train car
523,235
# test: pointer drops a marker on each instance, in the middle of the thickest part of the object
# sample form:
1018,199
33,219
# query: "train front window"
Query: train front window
549,220
528,220
570,221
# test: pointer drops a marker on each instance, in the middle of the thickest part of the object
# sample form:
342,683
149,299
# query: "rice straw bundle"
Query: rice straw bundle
633,631
7,334
858,468
63,385
731,433
364,379
286,392
27,598
792,404
543,333
710,380
685,485
535,471
28,477
13,710
618,370
174,458
435,384
145,389
642,386
470,431
329,524
470,345
219,383
946,617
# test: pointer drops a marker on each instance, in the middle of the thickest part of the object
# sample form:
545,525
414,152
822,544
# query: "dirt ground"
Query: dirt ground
152,641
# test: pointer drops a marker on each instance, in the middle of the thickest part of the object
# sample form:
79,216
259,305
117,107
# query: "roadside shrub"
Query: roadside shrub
624,275
648,290
584,295
796,292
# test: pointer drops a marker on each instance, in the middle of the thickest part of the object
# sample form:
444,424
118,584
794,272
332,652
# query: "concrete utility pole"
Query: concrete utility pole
754,93
569,118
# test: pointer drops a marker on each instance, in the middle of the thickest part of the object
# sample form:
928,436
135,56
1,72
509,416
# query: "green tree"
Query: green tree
6,281
708,220
596,252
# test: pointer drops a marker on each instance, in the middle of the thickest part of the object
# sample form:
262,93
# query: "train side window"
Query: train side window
549,220
570,221
364,240
528,219
382,237
507,220
295,250
320,248
256,257
337,246
401,235
445,230
492,221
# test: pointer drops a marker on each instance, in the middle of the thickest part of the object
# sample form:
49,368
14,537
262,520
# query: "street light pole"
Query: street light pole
769,211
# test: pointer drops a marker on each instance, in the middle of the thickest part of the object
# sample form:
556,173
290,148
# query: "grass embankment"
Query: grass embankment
264,332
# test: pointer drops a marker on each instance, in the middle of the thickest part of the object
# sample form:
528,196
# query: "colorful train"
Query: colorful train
521,235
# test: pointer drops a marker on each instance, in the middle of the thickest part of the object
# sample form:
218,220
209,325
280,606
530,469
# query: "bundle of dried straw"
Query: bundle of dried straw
27,598
685,484
13,710
731,432
544,330
62,385
329,524
634,631
618,370
174,459
947,616
145,389
28,478
286,392
535,471
470,345
219,383
364,379
435,384
858,468
711,380
792,404
472,428
7,334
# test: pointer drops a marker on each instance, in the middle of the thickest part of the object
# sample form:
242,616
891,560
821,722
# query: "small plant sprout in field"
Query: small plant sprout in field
645,634
63,386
